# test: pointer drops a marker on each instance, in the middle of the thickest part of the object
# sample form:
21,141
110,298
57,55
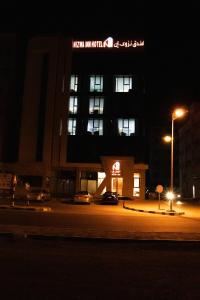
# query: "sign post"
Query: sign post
159,190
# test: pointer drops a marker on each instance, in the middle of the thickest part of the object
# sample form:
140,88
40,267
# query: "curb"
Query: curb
146,238
31,208
169,213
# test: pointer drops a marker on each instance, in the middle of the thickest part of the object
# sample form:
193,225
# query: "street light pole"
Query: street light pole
178,113
172,162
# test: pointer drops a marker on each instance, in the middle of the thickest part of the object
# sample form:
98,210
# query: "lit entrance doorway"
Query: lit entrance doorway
117,185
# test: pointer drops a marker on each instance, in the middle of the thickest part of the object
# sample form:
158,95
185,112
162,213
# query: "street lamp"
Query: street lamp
176,114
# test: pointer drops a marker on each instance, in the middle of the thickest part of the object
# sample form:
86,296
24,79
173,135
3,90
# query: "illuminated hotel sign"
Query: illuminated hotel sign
108,43
116,169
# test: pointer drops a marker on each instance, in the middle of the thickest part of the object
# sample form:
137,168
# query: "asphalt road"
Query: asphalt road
39,269
98,219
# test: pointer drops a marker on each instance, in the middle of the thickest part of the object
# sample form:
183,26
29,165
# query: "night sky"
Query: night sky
171,34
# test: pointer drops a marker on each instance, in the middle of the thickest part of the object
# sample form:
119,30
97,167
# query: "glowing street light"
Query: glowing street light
170,195
167,138
176,114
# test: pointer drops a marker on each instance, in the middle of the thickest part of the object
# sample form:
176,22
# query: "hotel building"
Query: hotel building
84,116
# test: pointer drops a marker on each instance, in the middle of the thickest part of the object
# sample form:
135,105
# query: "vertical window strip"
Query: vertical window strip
74,83
73,104
136,184
72,126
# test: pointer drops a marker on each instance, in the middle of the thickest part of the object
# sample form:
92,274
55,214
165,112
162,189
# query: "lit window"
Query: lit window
101,176
123,83
95,127
96,105
136,184
96,83
73,105
72,126
74,83
126,127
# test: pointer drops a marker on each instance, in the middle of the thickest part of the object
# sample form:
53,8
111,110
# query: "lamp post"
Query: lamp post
176,114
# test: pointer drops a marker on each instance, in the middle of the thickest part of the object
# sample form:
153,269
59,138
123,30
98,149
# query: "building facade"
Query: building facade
12,65
189,139
83,122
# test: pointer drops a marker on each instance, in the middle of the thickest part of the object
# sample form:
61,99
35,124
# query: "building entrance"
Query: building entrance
117,185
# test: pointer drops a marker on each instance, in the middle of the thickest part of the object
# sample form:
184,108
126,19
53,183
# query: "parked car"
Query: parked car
110,198
38,194
82,197
20,192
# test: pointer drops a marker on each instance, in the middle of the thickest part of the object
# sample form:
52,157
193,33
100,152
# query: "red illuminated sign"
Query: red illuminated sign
116,169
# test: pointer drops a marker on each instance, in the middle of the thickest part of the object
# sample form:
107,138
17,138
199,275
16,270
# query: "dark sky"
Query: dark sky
171,32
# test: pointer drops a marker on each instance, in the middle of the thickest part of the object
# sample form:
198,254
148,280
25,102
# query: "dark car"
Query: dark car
110,198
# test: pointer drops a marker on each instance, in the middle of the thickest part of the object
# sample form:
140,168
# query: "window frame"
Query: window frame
74,105
98,87
74,85
99,107
125,130
94,128
124,84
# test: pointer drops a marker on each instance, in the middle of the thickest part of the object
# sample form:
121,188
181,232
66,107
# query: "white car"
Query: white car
38,194
82,197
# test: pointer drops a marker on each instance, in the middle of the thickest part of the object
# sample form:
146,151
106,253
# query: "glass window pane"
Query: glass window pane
125,123
119,85
126,88
96,123
98,80
126,80
132,126
101,106
91,105
90,126
92,84
100,127
136,182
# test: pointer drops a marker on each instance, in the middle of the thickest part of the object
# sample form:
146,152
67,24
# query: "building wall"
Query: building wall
44,107
12,63
189,136
108,63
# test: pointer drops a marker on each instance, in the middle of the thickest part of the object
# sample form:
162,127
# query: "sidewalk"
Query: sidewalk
154,207
190,209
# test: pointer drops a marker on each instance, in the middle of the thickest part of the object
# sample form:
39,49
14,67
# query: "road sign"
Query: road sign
159,188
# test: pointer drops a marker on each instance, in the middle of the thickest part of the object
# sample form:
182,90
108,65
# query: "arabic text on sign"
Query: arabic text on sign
108,43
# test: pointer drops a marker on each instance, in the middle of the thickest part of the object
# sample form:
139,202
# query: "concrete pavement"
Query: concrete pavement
154,207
